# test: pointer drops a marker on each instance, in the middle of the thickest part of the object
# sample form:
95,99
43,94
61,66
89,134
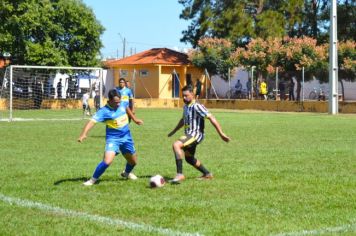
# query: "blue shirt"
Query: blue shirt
117,122
126,95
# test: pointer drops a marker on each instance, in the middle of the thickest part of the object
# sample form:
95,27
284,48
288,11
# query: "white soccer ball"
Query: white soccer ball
157,181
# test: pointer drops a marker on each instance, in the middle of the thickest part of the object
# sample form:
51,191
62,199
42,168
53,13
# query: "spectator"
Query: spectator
86,106
291,90
59,89
263,89
238,87
197,89
299,89
37,94
248,87
282,89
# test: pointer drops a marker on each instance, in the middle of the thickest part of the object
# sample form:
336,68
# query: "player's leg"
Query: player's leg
128,150
189,157
101,167
178,149
178,154
89,110
130,165
111,150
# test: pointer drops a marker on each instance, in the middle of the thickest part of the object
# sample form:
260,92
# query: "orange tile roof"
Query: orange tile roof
163,56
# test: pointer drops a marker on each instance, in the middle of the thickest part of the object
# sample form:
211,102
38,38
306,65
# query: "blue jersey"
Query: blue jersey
126,95
117,123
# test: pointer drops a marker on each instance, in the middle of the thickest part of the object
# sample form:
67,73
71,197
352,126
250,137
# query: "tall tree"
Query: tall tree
50,32
240,21
346,63
214,55
200,14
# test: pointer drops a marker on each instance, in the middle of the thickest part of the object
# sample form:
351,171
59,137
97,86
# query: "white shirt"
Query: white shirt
85,99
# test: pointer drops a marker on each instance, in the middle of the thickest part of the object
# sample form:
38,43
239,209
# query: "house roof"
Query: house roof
163,56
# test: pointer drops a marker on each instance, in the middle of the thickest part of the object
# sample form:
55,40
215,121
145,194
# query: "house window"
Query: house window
124,73
143,73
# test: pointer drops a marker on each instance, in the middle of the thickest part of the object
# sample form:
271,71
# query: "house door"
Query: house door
175,85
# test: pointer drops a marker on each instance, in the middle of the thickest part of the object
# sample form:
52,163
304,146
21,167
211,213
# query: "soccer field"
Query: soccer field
282,174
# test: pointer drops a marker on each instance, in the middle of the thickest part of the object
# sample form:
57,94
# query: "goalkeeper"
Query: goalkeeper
118,136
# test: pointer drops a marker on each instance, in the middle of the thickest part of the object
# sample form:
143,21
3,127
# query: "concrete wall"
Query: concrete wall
221,86
281,106
143,86
158,83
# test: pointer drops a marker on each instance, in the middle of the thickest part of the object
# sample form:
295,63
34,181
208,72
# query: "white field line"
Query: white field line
337,229
44,119
94,218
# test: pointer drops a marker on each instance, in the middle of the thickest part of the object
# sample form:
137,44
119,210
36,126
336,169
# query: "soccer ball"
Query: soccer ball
157,181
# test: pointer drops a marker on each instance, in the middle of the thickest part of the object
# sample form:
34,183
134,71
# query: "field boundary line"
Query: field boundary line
44,119
337,229
95,218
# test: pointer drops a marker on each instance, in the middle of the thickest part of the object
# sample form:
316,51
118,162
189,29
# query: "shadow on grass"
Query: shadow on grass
107,179
79,179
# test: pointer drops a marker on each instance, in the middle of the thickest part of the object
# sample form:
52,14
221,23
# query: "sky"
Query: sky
145,24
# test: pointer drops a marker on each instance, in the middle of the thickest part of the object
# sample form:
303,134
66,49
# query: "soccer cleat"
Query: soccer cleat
131,176
178,179
90,182
206,177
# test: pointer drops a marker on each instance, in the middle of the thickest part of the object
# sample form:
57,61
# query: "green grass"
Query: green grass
42,114
281,173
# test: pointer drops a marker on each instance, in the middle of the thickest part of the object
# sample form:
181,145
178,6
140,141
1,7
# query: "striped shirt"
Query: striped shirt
193,117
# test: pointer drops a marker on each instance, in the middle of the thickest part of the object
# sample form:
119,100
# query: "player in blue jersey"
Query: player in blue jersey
118,136
193,121
126,95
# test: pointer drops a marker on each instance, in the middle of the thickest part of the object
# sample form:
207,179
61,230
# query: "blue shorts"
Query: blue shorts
124,145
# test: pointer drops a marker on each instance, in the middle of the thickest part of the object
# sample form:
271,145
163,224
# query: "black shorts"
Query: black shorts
189,144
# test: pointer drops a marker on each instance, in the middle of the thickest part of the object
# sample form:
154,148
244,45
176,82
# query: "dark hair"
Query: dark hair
187,88
122,79
113,93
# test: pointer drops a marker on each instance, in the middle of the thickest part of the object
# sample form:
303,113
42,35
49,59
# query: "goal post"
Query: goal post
50,92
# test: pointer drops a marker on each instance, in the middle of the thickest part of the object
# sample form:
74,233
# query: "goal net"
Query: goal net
49,92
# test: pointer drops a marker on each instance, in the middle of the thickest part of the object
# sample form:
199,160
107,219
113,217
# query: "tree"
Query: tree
50,32
346,14
263,54
346,63
290,55
200,12
214,55
240,21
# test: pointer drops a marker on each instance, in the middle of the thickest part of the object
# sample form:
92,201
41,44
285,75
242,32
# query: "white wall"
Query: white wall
222,87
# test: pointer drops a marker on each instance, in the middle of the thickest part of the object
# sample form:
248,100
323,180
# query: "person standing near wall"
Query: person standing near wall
248,87
59,89
263,89
197,89
291,90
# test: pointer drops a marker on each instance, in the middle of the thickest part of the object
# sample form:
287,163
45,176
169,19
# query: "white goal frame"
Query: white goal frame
12,67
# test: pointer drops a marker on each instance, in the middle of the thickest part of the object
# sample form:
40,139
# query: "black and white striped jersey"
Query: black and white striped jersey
194,115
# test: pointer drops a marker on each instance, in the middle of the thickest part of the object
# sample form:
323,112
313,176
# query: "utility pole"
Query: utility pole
123,39
124,46
333,64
